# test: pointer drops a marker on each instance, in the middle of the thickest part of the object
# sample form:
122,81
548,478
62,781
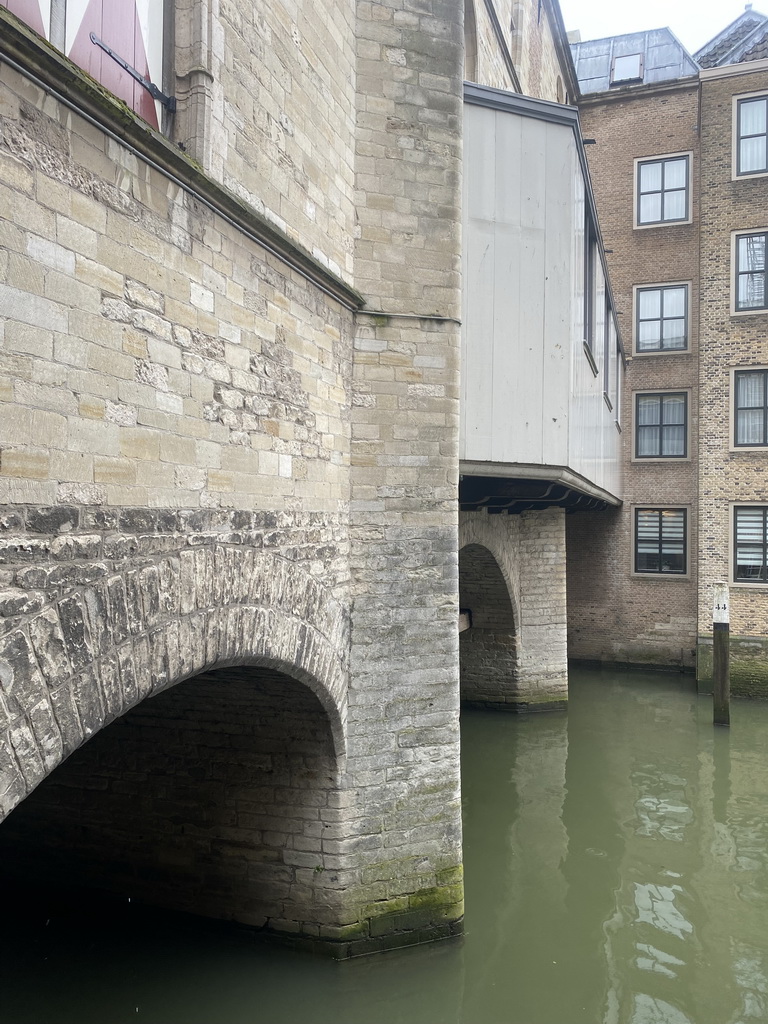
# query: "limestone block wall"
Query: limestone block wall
403,726
529,550
488,649
520,33
152,354
267,106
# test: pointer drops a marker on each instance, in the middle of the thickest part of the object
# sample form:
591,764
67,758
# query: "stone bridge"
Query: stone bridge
230,568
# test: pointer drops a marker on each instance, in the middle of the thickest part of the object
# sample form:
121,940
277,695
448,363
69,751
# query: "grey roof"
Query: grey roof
665,59
739,41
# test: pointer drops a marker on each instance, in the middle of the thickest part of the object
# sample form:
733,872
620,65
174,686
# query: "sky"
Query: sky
694,22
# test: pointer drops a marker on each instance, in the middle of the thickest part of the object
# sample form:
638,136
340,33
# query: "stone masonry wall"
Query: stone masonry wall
529,550
527,36
267,106
216,797
101,607
615,614
488,650
403,725
728,341
152,355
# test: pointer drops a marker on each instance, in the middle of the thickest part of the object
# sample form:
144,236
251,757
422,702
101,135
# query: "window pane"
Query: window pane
751,291
650,304
674,205
650,177
673,559
673,441
749,426
650,208
748,571
648,409
626,67
674,408
647,441
752,154
752,117
675,173
672,522
648,335
750,525
674,302
752,252
750,390
674,334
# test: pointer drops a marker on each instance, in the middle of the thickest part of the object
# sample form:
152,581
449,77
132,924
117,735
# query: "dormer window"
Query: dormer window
627,69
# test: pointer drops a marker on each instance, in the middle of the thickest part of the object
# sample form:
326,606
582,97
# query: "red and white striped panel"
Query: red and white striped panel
35,13
134,30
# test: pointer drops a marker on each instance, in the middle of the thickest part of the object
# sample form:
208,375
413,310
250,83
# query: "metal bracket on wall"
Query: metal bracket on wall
169,102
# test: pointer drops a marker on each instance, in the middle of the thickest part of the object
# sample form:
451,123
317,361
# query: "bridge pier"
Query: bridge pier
512,580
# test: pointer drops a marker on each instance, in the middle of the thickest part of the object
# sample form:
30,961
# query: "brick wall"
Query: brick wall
728,341
615,615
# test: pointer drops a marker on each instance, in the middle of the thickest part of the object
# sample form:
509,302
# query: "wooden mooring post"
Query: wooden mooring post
721,677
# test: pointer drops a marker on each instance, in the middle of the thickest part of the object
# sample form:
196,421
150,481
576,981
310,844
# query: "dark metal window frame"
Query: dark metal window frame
632,78
757,135
661,288
590,283
663,161
744,273
662,395
660,571
764,545
737,408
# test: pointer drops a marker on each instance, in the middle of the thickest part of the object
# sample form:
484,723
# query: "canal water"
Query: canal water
616,873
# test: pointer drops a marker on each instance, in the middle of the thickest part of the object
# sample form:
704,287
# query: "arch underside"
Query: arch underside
489,655
210,798
83,659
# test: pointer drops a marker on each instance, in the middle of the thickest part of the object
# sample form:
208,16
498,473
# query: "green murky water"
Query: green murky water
616,873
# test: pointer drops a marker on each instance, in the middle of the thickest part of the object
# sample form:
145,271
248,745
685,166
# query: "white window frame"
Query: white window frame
736,175
656,158
634,78
636,289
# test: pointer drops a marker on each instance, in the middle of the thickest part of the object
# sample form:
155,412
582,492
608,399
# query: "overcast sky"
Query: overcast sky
694,22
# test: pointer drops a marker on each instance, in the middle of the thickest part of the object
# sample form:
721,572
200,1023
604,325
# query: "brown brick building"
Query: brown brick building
680,170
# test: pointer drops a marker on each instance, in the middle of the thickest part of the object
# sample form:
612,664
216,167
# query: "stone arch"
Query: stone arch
214,797
91,652
488,650
499,535
470,42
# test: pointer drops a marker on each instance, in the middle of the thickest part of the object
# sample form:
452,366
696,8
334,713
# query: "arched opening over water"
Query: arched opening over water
212,797
488,649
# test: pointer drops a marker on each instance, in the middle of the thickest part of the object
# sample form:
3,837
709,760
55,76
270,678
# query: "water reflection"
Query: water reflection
616,873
